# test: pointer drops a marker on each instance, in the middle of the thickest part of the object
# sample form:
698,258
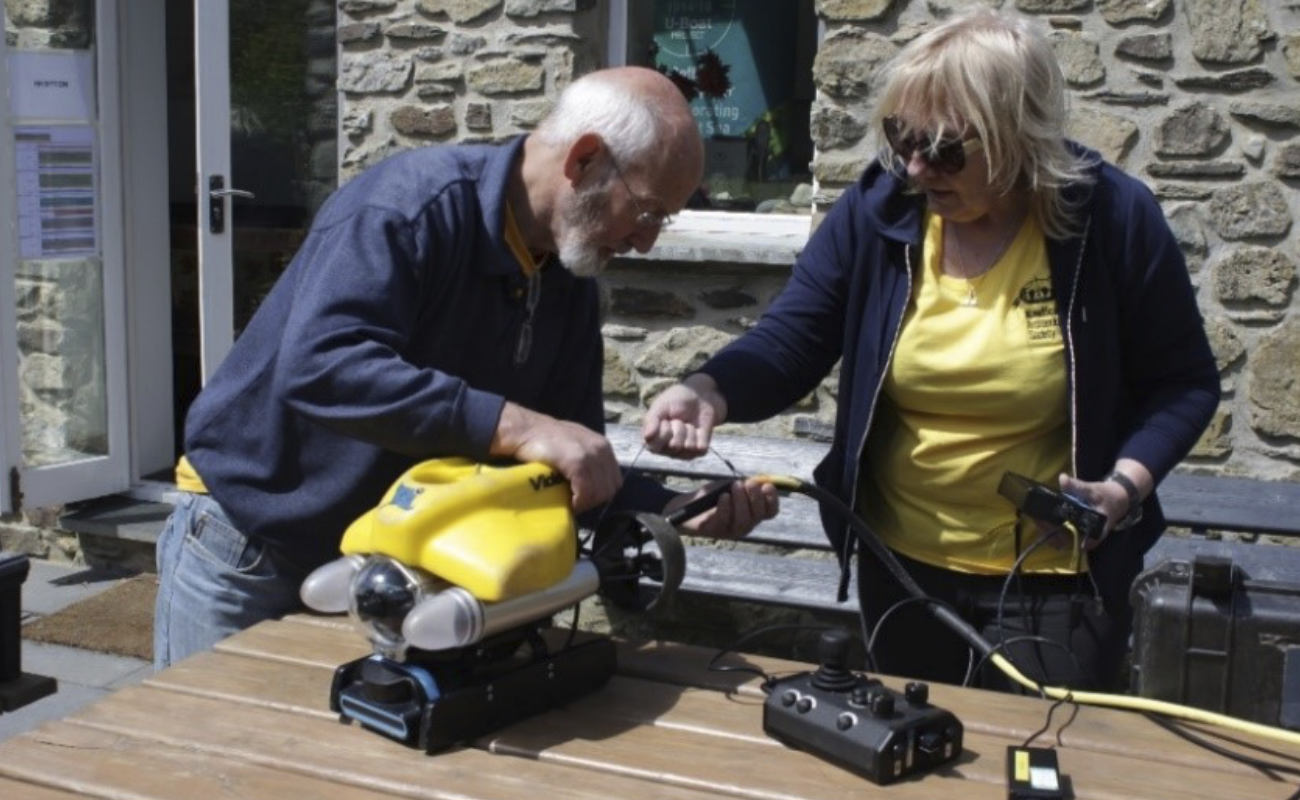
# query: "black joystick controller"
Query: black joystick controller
833,655
857,722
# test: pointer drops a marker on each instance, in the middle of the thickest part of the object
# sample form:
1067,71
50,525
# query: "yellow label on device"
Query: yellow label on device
1022,765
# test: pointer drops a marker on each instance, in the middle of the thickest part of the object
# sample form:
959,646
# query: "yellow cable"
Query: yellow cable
1146,704
1140,703
1122,701
787,482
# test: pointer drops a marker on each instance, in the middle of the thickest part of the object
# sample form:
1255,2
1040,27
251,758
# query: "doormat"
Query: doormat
117,620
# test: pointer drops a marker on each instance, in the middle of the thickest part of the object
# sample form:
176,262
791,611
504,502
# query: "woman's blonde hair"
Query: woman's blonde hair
997,75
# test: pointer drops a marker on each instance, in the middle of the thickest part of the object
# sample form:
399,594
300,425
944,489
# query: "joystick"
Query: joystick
833,674
857,722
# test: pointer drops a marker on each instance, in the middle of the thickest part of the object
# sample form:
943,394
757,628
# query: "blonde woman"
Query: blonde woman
1002,300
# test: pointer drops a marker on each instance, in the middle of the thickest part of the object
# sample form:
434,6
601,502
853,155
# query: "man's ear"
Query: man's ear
582,154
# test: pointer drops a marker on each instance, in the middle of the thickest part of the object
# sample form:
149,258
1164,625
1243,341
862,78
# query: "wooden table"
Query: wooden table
251,720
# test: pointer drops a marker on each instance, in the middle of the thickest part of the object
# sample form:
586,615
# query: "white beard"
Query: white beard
578,250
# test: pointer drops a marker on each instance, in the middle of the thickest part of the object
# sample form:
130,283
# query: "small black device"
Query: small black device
1033,774
857,722
1045,504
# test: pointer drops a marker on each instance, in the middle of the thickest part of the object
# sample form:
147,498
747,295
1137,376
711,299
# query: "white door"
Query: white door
62,311
264,121
215,191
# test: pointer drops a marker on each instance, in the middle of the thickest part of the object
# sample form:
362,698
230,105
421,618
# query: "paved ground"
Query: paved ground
83,676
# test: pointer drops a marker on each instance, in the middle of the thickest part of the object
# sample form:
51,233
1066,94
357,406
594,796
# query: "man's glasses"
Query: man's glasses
645,218
947,155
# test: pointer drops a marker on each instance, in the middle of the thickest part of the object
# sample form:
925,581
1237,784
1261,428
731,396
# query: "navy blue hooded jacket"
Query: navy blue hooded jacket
1142,381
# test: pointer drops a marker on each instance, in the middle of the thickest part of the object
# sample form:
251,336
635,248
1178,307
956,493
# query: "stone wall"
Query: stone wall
414,72
1199,98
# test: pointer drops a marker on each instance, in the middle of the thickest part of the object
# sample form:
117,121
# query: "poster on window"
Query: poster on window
56,169
736,62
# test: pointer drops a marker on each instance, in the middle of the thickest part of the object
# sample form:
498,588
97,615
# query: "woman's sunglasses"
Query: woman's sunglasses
947,155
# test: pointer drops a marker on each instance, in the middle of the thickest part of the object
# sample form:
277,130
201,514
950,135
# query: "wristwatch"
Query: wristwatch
1134,499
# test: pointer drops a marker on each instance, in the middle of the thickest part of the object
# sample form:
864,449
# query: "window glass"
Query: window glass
58,276
746,67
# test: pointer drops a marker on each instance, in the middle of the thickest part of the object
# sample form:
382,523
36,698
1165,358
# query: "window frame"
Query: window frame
703,226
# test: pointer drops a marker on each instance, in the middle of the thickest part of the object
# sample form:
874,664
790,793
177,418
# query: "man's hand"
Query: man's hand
581,455
737,512
681,419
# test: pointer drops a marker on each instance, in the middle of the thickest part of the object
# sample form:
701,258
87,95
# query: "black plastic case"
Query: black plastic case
1205,634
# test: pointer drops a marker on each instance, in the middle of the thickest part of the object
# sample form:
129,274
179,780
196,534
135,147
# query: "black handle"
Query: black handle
702,503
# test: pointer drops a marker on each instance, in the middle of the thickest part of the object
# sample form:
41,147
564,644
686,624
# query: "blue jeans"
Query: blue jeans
214,581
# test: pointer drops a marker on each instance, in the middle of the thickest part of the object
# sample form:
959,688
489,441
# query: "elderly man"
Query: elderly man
441,305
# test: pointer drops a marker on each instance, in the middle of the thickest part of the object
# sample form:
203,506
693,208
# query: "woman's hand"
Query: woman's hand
1109,496
680,420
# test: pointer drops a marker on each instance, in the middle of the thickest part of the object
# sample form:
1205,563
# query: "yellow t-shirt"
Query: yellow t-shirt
972,391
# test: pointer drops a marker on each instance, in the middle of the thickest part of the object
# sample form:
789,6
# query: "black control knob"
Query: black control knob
861,695
917,693
845,721
833,674
788,697
804,705
882,705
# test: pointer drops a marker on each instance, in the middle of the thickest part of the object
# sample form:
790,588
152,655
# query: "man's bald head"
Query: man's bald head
639,114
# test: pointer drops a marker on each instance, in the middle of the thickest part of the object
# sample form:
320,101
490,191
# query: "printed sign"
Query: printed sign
57,85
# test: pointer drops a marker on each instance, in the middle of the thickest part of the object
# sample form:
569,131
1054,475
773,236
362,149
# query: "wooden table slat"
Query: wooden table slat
252,716
622,713
114,763
22,790
345,754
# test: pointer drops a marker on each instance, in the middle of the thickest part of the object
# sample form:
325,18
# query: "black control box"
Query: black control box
1041,502
857,722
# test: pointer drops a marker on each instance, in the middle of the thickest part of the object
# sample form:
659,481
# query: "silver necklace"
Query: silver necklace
971,300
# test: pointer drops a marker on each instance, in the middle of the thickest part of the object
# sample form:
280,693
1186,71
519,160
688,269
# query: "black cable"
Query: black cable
712,666
869,660
1006,586
1267,767
1047,723
1005,643
944,613
886,614
573,626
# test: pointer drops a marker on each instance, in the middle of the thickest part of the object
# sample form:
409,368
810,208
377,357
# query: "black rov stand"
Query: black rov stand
432,700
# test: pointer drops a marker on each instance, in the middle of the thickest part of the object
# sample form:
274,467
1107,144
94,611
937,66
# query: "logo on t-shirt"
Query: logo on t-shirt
1038,302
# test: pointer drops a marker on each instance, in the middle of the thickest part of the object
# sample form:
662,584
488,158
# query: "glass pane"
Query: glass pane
747,68
59,284
64,404
283,111
283,132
